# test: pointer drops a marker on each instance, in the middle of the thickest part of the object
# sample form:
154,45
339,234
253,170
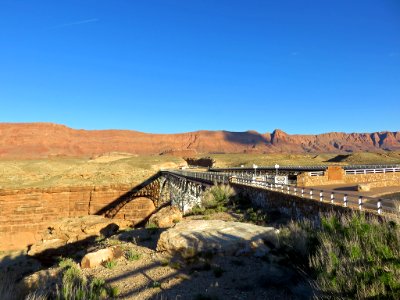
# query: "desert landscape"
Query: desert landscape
36,140
199,150
71,180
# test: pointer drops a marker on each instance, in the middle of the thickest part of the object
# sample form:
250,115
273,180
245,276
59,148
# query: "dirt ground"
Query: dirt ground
156,275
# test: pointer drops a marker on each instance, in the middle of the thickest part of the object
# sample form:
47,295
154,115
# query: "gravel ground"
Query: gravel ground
157,276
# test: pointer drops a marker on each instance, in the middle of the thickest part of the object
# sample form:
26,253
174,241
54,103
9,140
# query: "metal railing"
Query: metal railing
359,202
354,201
317,173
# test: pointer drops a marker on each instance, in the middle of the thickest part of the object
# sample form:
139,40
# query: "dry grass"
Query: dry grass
236,160
82,171
358,258
117,168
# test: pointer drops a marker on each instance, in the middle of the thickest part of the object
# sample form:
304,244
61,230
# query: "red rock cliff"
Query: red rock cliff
35,140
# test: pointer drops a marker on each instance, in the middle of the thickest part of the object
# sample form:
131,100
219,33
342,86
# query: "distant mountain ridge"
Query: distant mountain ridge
36,140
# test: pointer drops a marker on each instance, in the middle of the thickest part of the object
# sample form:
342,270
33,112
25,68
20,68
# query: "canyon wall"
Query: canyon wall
26,213
36,140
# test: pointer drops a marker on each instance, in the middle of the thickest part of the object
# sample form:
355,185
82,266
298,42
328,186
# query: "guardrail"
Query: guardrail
372,171
308,168
354,201
359,202
317,173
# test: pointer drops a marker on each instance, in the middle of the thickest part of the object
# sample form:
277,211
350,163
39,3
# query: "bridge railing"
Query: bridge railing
354,201
372,171
359,202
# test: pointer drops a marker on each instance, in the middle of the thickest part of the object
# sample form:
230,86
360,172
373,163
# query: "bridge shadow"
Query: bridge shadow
112,208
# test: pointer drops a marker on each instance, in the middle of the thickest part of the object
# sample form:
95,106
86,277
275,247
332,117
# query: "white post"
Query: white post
288,189
295,191
311,193
360,202
332,197
302,192
321,196
380,206
345,200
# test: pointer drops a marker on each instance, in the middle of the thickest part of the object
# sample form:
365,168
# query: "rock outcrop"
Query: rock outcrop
35,140
71,233
230,238
166,217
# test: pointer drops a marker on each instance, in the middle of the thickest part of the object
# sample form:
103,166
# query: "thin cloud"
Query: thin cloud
78,22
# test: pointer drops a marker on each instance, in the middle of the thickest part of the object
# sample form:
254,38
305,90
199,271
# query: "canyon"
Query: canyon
26,213
42,140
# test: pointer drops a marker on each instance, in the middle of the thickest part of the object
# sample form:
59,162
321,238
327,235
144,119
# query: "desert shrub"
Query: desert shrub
7,285
132,255
111,264
217,196
298,241
358,257
197,210
66,263
152,228
257,217
214,200
35,295
155,284
75,286
113,291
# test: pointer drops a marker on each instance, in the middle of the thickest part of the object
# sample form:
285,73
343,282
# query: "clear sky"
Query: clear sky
175,66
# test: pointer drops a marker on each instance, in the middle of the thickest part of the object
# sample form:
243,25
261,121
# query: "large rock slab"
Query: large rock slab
70,234
231,238
46,245
79,228
166,217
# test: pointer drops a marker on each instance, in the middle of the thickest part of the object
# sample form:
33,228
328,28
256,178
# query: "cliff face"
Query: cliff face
35,140
26,213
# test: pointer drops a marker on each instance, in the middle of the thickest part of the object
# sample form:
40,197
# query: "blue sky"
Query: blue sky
175,66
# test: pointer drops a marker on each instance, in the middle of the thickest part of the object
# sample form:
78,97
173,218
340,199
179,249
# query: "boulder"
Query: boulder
364,187
190,238
43,279
46,245
166,217
95,259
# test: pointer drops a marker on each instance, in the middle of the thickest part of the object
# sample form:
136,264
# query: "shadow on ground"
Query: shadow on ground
205,276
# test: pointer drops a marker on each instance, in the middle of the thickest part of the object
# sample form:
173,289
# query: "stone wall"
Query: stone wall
25,213
336,175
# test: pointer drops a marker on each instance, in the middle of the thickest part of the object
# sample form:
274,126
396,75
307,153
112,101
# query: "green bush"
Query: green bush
132,255
111,264
75,286
152,228
298,241
217,196
358,258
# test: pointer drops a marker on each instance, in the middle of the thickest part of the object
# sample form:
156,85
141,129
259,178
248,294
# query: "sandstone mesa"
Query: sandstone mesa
40,140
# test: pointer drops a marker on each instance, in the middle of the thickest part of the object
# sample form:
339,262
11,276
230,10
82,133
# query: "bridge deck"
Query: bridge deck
346,199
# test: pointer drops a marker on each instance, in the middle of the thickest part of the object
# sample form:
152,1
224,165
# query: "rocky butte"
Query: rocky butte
37,140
